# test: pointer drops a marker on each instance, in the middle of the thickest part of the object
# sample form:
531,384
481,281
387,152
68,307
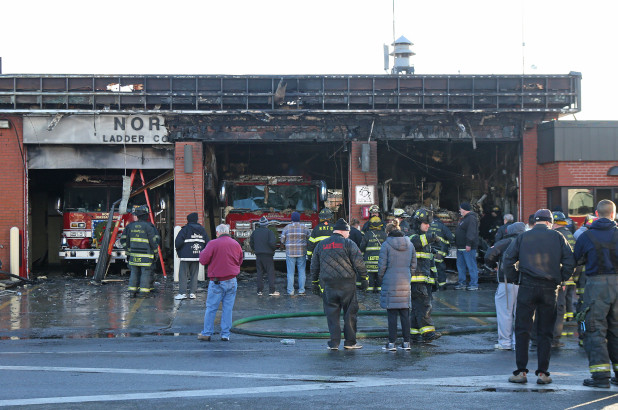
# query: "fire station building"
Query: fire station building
399,141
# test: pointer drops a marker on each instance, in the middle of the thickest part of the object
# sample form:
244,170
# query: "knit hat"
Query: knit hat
516,228
263,221
295,217
543,215
465,206
192,217
341,225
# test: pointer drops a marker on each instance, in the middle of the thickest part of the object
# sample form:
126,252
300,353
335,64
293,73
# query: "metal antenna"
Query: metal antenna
393,21
523,42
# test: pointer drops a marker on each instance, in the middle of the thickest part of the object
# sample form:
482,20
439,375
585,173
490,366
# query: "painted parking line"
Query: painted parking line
318,382
131,314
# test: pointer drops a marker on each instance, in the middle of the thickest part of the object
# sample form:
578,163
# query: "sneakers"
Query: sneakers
192,296
460,287
354,346
556,344
203,337
301,293
225,339
259,294
472,288
180,296
601,383
291,293
498,346
405,346
519,378
329,347
545,379
389,347
275,293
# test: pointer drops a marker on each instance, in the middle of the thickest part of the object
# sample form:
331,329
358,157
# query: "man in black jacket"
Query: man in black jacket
545,261
335,263
467,242
190,241
263,243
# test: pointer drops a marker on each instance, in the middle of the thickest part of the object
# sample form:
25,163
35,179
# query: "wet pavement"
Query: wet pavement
70,344
60,306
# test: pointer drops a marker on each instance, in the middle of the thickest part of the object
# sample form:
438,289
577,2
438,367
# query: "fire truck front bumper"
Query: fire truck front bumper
89,254
250,256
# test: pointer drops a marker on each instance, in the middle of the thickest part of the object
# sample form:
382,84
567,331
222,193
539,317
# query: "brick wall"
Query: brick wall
13,188
528,189
358,177
188,188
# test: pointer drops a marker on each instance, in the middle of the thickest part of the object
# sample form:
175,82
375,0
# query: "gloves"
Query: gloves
581,316
316,289
432,237
364,283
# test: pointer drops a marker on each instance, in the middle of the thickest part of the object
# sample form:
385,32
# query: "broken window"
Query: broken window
278,197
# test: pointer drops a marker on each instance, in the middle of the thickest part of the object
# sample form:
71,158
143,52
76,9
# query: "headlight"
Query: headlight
243,225
78,225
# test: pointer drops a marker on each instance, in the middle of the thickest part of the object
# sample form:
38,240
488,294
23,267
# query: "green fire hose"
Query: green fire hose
371,334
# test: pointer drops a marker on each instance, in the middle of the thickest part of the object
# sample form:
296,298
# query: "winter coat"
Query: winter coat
321,231
495,253
467,232
336,261
140,239
395,268
190,241
425,265
446,237
223,257
604,231
263,241
370,246
545,258
356,236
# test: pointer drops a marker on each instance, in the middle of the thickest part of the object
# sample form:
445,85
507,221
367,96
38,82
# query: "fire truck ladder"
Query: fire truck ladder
109,239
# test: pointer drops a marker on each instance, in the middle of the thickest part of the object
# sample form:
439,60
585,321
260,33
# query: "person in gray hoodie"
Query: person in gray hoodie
396,263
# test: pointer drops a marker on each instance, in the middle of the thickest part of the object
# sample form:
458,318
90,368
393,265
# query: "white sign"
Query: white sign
364,195
96,129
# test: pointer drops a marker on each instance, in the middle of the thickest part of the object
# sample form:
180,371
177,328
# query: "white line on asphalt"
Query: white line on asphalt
134,351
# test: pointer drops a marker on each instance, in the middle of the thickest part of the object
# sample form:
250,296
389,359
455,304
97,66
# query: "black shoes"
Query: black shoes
601,383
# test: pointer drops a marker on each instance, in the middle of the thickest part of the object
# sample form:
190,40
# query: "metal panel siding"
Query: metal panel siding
578,141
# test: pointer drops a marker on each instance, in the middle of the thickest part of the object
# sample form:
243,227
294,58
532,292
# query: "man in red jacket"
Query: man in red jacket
223,257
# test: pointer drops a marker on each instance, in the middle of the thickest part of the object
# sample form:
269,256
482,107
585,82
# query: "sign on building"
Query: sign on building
364,194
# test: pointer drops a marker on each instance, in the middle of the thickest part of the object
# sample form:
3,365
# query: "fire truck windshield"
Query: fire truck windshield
278,197
90,199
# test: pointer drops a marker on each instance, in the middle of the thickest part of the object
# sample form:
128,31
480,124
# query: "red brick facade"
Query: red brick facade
358,177
188,188
528,190
13,187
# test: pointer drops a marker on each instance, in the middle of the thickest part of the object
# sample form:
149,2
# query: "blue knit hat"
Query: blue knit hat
295,217
263,221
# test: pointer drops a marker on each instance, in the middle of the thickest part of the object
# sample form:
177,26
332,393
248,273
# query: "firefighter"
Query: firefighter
597,249
422,329
140,240
370,246
401,216
374,210
322,230
440,249
560,225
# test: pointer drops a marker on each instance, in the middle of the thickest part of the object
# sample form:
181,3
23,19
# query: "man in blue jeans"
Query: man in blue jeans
467,241
294,237
223,257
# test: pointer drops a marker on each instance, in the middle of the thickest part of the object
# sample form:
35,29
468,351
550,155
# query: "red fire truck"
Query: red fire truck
85,210
250,197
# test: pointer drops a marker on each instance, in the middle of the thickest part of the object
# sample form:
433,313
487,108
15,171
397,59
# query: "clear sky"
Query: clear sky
316,37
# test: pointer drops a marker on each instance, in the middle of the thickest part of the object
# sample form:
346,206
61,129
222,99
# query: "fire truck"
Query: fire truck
250,197
85,210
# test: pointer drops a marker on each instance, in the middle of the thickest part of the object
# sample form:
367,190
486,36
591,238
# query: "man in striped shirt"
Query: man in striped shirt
294,237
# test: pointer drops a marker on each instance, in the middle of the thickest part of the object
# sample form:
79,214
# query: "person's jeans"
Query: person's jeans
466,261
296,262
224,293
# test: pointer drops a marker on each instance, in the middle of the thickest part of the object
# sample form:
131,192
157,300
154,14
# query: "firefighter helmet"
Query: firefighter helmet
558,216
589,220
398,213
495,209
374,209
423,216
141,210
325,214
